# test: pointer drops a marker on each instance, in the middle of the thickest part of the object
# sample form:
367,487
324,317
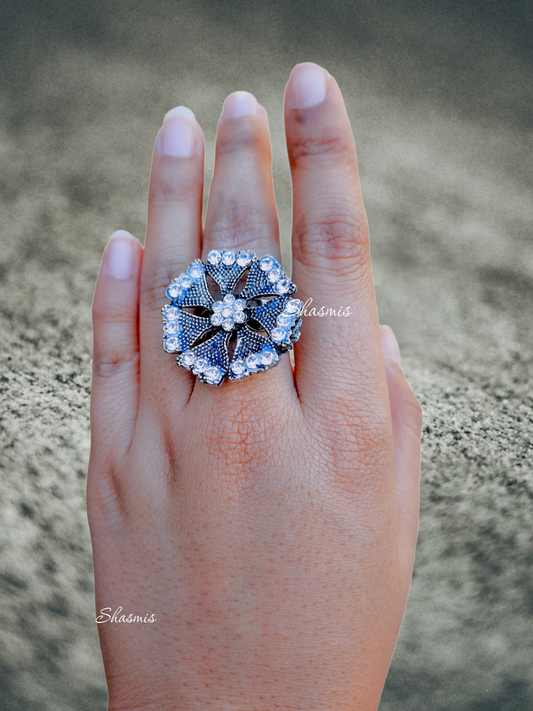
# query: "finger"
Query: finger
336,356
115,383
406,416
241,213
173,238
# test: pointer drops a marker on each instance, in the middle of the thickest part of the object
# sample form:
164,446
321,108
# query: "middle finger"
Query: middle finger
241,213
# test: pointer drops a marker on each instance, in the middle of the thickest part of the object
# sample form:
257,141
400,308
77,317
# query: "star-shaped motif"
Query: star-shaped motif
233,334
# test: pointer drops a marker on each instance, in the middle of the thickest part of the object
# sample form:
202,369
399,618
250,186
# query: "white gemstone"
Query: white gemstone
188,359
268,356
275,275
293,306
282,286
172,328
228,312
214,257
171,314
195,271
267,263
173,290
171,345
243,259
253,362
238,367
200,365
213,374
228,258
285,319
279,334
185,281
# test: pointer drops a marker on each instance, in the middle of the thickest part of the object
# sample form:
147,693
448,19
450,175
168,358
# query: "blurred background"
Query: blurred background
440,99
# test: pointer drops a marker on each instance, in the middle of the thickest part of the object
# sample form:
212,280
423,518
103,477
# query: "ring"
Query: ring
231,317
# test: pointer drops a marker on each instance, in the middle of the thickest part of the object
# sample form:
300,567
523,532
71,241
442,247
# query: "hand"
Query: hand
268,525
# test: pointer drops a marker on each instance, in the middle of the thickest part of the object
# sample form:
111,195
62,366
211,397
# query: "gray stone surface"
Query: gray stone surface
440,96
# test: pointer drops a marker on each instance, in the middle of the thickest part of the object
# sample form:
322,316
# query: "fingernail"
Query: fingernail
120,255
240,103
307,86
176,138
389,345
180,111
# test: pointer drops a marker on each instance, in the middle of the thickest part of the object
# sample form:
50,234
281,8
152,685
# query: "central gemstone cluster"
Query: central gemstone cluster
229,313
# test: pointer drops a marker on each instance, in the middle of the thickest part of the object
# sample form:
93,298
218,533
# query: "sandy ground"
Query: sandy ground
440,106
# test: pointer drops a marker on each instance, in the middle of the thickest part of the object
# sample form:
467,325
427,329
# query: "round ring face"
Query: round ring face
231,316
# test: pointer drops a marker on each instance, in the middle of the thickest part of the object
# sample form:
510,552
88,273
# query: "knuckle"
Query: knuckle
238,444
355,448
247,136
154,284
105,498
240,223
352,424
110,311
340,236
236,436
113,362
327,142
363,433
240,440
172,188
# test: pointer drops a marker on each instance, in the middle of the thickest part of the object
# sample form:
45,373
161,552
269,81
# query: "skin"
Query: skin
269,524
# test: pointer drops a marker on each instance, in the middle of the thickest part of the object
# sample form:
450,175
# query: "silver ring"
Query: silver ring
230,317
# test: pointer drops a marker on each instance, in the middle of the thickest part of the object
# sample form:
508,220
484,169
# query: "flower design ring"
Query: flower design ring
231,317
